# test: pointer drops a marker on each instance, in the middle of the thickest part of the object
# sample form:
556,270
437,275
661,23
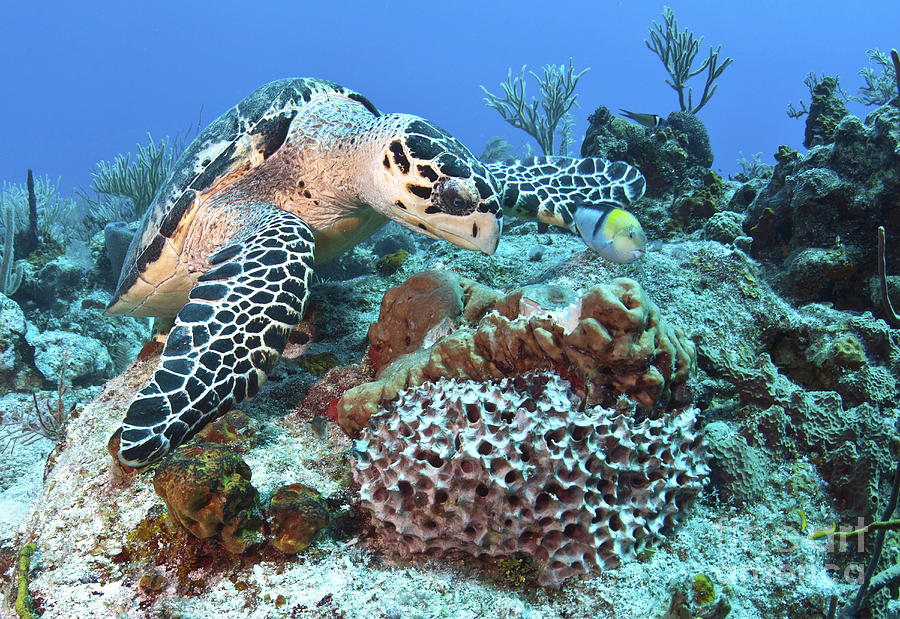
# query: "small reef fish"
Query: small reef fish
445,327
567,317
319,427
651,121
612,232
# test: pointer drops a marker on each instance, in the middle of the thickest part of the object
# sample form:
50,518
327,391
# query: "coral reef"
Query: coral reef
610,342
815,220
672,157
512,467
798,388
100,533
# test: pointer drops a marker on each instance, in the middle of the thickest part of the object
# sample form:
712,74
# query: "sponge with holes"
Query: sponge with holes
497,469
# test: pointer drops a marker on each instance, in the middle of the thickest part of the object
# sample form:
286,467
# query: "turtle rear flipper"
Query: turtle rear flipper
227,337
551,189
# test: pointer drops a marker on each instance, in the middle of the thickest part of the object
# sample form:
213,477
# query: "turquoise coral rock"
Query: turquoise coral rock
815,219
81,357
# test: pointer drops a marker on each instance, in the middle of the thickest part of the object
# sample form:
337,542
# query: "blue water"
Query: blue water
85,81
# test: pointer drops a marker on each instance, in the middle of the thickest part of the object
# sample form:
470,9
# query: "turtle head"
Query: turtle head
429,182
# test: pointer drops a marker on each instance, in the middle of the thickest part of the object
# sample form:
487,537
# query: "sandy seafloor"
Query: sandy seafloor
82,514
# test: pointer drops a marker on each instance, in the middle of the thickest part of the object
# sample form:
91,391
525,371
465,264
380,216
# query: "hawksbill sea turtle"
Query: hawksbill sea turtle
296,173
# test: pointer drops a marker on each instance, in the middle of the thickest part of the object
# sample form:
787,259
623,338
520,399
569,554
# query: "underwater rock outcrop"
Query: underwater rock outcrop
816,218
12,338
608,343
499,468
80,357
850,445
740,471
825,112
670,157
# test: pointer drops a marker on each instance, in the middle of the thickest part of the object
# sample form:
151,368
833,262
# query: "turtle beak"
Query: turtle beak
478,231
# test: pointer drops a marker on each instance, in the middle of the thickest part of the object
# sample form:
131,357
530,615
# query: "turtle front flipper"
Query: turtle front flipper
227,337
584,196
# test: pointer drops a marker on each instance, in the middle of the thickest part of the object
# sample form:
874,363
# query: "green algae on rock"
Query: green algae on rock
207,490
391,263
295,516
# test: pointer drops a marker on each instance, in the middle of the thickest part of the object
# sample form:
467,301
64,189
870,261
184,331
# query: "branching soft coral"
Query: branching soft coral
539,118
677,50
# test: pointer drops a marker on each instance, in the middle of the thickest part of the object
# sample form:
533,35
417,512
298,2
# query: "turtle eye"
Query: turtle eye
456,199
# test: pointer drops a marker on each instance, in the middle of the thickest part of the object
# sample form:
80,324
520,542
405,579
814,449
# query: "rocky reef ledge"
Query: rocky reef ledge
104,544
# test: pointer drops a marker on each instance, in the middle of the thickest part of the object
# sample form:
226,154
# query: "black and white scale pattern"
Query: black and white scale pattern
227,337
551,189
